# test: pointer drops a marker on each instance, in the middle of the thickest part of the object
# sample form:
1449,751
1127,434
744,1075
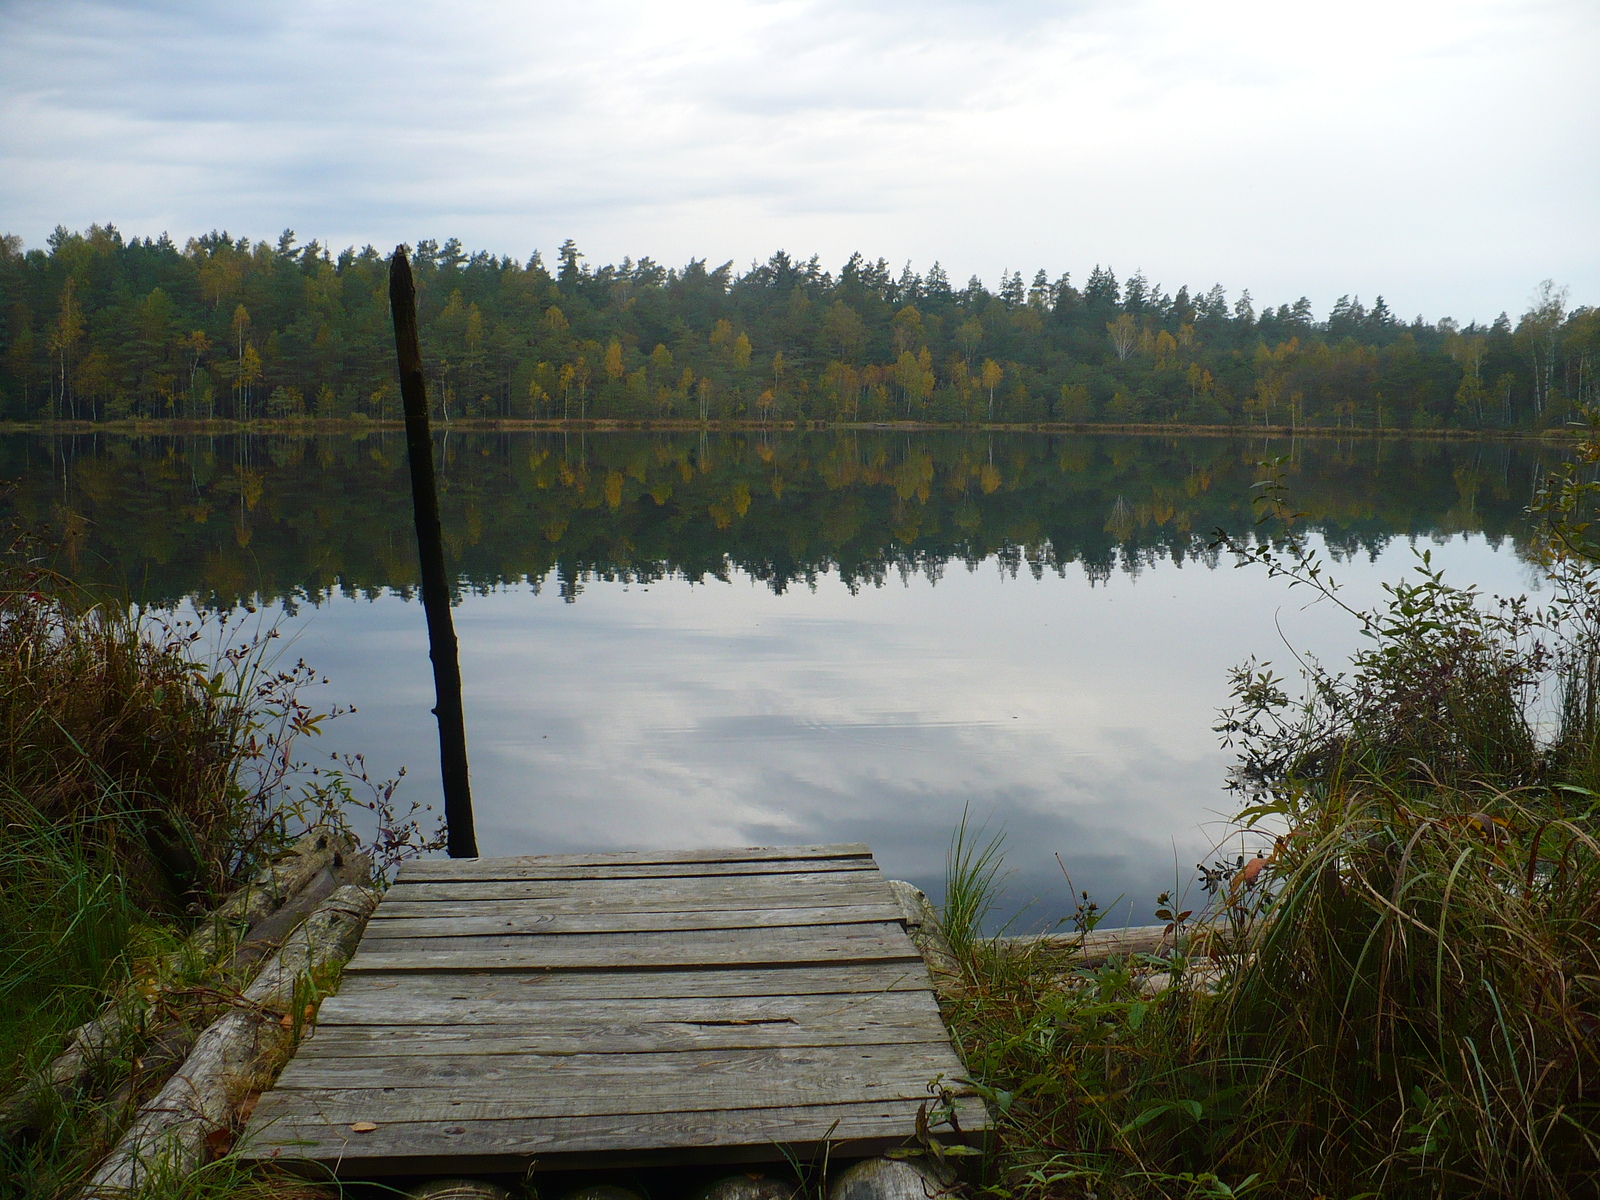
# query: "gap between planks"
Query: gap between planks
496,869
885,941
669,983
453,1041
610,894
372,1006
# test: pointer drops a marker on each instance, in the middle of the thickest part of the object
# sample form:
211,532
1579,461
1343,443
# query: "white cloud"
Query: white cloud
1442,153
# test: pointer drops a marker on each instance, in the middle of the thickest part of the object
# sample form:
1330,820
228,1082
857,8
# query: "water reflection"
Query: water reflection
675,642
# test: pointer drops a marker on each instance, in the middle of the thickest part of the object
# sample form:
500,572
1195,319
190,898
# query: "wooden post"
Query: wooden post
463,841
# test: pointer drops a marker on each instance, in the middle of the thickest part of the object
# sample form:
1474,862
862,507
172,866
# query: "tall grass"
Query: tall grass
972,876
1401,994
132,731
66,925
144,764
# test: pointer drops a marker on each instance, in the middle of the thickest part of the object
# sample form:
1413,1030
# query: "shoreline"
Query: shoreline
322,426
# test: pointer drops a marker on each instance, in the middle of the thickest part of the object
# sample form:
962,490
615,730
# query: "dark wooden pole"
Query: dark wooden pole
463,841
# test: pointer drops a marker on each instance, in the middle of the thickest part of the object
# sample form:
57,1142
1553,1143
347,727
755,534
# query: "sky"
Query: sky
1443,154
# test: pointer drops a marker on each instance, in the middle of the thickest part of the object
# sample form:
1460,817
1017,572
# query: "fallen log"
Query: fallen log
922,923
270,889
1100,946
266,907
169,1136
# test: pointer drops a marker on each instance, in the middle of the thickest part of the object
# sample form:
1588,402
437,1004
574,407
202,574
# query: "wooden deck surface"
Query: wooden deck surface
625,1008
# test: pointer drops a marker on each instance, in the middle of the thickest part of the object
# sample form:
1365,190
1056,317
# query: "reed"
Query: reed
1400,995
145,765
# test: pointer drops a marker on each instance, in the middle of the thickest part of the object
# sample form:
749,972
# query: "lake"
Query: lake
672,640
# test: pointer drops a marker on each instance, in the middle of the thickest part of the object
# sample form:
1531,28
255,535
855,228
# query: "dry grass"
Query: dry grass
143,769
1419,1012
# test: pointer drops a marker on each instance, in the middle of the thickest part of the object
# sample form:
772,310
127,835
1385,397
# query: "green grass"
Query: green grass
67,924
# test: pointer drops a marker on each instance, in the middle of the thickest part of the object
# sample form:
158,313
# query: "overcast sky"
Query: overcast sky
1445,154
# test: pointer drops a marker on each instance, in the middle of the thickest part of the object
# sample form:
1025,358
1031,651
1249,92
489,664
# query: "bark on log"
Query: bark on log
317,853
922,923
893,1179
169,1135
602,1191
1102,945
750,1186
270,888
264,937
458,1189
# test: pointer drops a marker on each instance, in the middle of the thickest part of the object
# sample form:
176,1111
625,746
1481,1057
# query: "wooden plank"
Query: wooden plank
798,887
495,868
357,1006
596,1074
731,947
397,1148
493,919
781,980
346,1106
461,1041
434,868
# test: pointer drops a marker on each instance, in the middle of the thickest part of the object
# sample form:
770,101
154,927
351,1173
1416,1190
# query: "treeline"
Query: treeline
295,517
98,326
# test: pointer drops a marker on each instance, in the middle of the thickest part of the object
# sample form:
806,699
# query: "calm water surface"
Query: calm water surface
675,641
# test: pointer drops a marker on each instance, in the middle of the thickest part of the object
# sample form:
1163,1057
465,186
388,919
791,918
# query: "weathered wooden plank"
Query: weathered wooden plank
798,887
638,1096
500,1145
492,922
435,868
641,1095
729,947
782,980
494,868
461,1041
698,1070
359,1006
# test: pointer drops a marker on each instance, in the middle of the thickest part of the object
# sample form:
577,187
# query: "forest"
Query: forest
98,326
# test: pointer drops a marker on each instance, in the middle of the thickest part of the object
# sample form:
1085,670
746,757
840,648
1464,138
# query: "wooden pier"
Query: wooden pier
574,1011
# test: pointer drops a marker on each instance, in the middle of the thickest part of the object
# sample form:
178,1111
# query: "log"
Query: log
169,1136
270,888
1101,946
159,1059
273,888
1091,949
922,923
264,937
893,1179
458,1189
750,1185
602,1191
